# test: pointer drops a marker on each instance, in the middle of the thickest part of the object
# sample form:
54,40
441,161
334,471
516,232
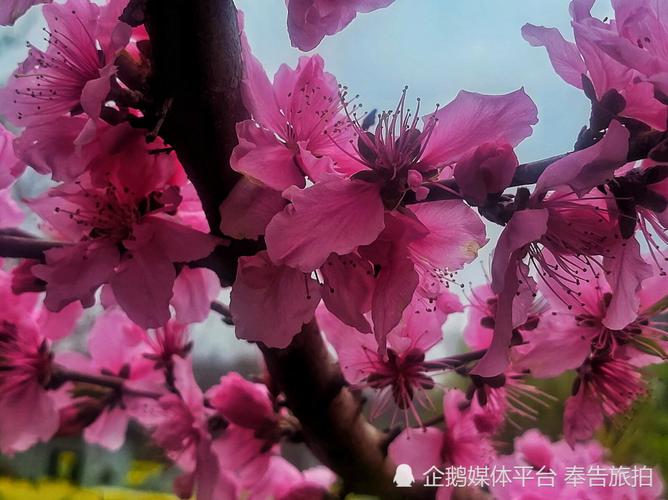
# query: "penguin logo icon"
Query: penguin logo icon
403,477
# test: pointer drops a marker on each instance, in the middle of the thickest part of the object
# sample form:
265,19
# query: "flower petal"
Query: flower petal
626,272
585,169
564,56
472,119
248,209
270,303
306,232
260,156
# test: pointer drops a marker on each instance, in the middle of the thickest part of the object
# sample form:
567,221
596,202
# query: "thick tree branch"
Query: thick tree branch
197,69
19,245
195,85
640,146
333,425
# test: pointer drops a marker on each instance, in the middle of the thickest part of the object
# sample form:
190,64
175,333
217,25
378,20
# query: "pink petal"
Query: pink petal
261,157
194,290
526,226
348,284
583,170
248,209
257,91
75,272
113,340
564,56
305,233
395,284
11,10
242,402
270,303
94,93
472,119
10,166
496,359
56,326
50,149
456,233
571,342
238,449
281,475
185,383
626,272
310,20
143,284
109,429
29,415
179,243
315,167
352,347
583,415
419,448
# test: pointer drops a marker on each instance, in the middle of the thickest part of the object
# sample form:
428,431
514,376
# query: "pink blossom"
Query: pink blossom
556,226
314,234
115,346
28,412
295,121
384,160
10,166
194,290
310,20
459,444
184,432
402,375
399,156
606,358
283,481
497,398
126,233
535,451
405,246
71,75
583,170
614,55
253,428
11,10
68,151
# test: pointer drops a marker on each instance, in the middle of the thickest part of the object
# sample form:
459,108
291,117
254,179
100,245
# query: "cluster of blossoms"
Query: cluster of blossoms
362,222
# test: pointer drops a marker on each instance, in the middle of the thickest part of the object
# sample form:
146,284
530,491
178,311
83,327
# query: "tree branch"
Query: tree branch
197,65
17,245
197,69
640,146
333,425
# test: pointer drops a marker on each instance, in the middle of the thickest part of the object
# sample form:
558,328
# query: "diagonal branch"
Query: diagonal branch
640,146
16,244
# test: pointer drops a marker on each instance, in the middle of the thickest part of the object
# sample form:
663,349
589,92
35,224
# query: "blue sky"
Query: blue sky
438,47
